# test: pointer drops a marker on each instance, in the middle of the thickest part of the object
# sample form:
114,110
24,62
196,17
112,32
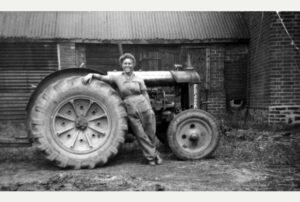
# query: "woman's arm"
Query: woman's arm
88,78
100,77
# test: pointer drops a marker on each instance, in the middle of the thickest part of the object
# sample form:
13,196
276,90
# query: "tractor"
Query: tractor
83,126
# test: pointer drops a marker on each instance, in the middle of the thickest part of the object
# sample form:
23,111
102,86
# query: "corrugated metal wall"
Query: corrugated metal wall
124,25
22,66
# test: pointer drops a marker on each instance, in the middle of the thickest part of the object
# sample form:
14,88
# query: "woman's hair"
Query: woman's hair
125,56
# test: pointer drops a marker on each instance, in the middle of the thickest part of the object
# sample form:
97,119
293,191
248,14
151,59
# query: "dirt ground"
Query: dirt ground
25,169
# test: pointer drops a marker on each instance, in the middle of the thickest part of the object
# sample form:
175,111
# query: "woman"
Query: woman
134,93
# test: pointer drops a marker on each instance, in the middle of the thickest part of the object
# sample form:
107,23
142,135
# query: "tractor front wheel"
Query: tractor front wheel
193,134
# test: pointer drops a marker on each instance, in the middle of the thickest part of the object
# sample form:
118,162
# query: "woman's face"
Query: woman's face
127,65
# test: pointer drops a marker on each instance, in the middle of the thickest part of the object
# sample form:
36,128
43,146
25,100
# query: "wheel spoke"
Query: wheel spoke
97,131
88,140
62,132
88,108
74,140
73,106
97,117
64,117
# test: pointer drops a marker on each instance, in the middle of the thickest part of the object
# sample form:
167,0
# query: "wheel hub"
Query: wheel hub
194,136
81,123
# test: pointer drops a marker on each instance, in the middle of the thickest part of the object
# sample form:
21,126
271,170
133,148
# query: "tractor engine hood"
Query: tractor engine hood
166,78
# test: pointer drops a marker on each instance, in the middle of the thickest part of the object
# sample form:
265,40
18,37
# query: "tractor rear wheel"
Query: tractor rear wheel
78,125
193,134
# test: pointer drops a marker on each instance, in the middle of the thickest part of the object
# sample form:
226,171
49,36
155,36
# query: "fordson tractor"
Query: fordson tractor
83,126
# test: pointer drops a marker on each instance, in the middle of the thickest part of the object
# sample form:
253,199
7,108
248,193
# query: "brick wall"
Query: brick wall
274,73
67,55
259,57
216,93
284,114
285,60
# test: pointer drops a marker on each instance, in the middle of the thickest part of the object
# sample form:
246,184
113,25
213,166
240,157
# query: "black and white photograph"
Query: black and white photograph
159,100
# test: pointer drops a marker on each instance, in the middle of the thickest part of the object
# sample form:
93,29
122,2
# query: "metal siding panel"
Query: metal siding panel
213,25
8,25
134,25
149,22
230,31
183,23
216,22
166,25
2,19
49,23
100,27
188,23
35,21
173,27
180,26
140,31
201,25
90,25
193,21
111,18
146,31
201,28
21,67
110,25
67,23
147,25
123,25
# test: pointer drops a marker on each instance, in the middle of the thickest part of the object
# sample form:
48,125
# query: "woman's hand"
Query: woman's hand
88,79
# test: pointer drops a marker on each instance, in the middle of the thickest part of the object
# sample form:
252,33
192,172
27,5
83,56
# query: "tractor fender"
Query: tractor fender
51,78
